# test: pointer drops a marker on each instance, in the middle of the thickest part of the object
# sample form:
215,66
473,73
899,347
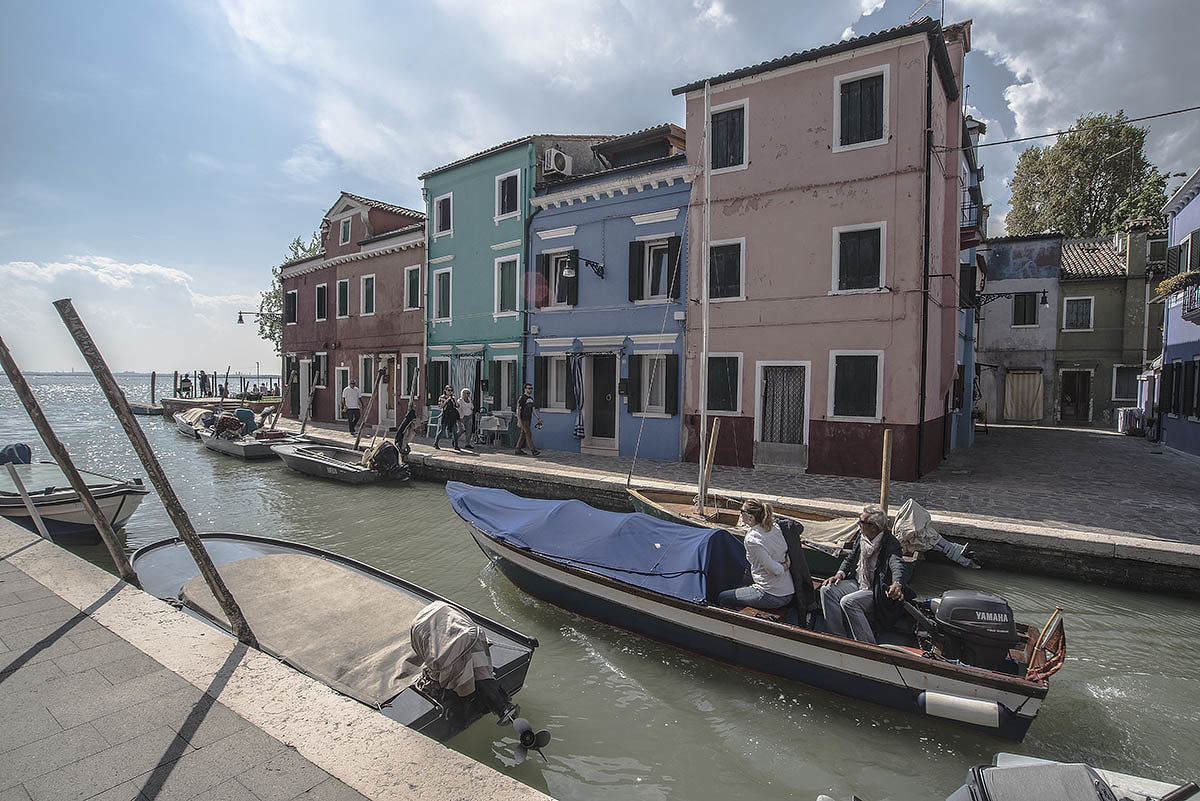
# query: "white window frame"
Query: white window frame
885,71
878,418
496,313
741,363
404,393
649,245
433,310
362,360
362,295
337,406
509,360
740,241
344,227
295,305
838,230
745,104
758,392
552,404
659,410
497,217
436,204
336,298
553,296
407,270
1091,299
317,357
1114,397
317,306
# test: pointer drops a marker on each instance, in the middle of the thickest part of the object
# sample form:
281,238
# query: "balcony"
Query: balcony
970,224
1191,304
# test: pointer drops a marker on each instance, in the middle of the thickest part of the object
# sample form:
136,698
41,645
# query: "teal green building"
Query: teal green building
477,285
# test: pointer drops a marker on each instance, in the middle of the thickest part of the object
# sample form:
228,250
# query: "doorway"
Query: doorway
387,391
342,381
1076,399
601,414
1023,396
781,417
306,377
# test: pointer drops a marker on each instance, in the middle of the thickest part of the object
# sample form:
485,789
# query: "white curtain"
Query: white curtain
462,375
1023,396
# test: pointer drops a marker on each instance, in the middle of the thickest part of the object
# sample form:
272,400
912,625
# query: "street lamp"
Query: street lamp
984,298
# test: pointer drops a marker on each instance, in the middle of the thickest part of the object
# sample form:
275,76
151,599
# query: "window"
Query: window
1077,314
443,210
858,257
725,262
345,231
729,136
1185,255
654,380
320,367
506,286
560,284
856,385
1025,306
860,116
343,298
289,307
441,294
655,268
1156,250
366,374
412,367
1125,381
506,195
437,376
724,382
657,272
412,287
502,385
368,295
322,310
558,376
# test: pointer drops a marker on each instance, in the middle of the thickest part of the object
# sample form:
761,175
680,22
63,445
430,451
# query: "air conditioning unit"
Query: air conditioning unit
556,162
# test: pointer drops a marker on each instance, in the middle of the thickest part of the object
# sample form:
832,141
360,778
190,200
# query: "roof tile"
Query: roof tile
1091,258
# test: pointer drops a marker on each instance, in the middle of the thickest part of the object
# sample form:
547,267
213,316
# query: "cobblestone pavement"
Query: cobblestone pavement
1081,479
85,715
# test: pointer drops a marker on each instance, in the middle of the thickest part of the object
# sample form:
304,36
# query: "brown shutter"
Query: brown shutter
671,398
637,255
673,265
573,283
540,373
633,387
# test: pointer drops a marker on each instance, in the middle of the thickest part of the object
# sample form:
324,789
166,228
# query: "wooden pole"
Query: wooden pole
225,388
58,452
286,391
885,475
370,405
175,384
33,512
153,378
158,476
708,462
312,391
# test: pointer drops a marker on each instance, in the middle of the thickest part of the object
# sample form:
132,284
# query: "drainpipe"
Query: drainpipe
531,213
925,264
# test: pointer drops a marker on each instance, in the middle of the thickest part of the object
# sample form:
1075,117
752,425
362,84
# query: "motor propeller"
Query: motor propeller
529,739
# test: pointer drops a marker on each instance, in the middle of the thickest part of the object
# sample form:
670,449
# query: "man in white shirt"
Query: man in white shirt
350,406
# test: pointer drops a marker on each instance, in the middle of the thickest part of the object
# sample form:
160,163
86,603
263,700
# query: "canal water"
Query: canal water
634,719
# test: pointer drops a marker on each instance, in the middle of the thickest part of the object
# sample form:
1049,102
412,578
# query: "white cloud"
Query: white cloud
309,163
713,12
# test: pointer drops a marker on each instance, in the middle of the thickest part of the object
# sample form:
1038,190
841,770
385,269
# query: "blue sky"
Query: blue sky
159,156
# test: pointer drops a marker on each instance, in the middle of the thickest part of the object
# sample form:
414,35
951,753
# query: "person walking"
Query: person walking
525,414
448,424
351,405
466,410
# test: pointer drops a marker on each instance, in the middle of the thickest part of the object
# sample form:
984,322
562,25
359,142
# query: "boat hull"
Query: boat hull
245,447
822,660
306,459
66,518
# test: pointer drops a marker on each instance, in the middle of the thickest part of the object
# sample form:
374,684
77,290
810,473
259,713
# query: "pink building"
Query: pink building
355,308
833,253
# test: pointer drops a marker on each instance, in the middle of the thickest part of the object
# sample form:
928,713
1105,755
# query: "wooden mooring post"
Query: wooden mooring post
58,452
158,477
885,473
153,379
370,404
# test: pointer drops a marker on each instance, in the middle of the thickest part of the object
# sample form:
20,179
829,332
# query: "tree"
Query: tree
1088,183
270,302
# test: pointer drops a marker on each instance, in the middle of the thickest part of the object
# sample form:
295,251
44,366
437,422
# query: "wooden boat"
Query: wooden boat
253,446
190,422
137,407
1013,777
173,406
825,546
661,579
329,461
59,506
337,620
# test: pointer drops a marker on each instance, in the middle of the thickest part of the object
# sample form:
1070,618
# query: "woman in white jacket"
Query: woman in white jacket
766,550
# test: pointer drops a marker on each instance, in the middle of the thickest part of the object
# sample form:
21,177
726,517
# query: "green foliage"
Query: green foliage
1088,183
1179,282
270,303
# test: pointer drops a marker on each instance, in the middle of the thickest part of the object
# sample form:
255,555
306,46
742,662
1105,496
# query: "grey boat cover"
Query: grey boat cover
334,624
193,415
829,535
455,651
913,526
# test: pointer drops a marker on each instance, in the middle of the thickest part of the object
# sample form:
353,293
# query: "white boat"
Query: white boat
253,446
59,505
1021,778
343,464
190,422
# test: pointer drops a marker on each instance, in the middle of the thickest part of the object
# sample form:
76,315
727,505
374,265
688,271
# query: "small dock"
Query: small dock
107,692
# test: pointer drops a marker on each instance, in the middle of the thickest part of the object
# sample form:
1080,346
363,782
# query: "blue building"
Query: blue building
606,305
1179,390
972,227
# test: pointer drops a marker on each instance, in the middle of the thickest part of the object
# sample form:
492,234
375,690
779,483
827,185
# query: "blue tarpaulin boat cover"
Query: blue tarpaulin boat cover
692,564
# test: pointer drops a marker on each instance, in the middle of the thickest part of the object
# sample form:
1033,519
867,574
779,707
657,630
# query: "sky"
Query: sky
158,157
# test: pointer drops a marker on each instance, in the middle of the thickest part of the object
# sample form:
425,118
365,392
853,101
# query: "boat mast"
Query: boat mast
706,154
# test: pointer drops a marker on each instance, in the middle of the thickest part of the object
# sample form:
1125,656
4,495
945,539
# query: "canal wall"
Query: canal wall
375,756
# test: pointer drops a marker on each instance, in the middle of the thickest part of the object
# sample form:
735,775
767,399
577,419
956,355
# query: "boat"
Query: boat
252,446
972,663
138,407
342,622
66,519
173,406
344,464
191,421
1013,777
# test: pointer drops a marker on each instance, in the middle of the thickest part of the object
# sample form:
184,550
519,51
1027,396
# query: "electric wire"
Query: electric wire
1072,130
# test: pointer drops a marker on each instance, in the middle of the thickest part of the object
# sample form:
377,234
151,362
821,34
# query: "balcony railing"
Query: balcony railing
968,215
1191,304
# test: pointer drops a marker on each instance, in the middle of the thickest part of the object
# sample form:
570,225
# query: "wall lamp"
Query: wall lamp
571,269
240,321
984,298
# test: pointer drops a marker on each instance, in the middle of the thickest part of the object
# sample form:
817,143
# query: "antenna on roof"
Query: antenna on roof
919,8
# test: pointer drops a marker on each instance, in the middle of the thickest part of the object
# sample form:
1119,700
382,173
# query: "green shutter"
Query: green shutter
573,283
633,387
541,287
1173,260
540,374
1189,388
672,388
637,255
572,401
674,267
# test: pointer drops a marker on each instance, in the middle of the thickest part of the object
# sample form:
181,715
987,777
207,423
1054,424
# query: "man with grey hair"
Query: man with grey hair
871,584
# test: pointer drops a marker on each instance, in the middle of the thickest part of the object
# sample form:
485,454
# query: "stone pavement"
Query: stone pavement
1084,480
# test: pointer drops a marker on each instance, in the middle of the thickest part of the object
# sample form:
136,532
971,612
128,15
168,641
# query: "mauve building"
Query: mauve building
356,308
834,253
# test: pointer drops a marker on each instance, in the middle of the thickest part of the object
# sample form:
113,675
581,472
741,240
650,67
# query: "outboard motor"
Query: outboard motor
404,429
976,628
385,457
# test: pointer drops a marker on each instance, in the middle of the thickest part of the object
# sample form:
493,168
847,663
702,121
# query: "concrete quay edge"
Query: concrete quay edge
368,752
